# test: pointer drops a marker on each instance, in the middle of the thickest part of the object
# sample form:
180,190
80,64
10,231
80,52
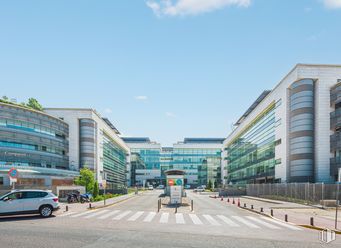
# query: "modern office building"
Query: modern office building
149,152
291,133
199,158
36,144
136,166
95,143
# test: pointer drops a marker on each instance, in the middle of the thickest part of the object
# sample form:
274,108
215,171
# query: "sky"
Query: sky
159,68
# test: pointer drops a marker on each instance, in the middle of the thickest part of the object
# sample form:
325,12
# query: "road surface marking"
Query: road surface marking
210,219
195,219
179,218
136,216
263,223
96,214
245,222
227,221
84,213
149,217
164,218
282,224
122,215
109,215
66,214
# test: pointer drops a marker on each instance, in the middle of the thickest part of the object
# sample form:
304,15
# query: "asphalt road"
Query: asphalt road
136,223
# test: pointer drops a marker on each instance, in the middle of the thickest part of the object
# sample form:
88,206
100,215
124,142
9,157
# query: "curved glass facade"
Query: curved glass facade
251,156
31,138
301,131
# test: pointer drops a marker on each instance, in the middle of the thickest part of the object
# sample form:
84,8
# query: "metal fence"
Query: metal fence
297,192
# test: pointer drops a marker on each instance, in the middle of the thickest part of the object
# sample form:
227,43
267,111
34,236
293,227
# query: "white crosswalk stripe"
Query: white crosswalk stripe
96,214
195,219
122,215
282,224
211,220
253,222
164,218
136,216
257,220
149,217
227,221
245,222
179,218
83,214
108,215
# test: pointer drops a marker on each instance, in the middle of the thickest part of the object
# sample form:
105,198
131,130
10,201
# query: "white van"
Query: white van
28,202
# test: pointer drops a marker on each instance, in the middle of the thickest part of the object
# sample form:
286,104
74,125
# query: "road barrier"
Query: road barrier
272,212
312,221
286,218
66,208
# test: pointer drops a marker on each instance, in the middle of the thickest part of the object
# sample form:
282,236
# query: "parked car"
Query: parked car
161,187
150,187
187,186
199,189
28,202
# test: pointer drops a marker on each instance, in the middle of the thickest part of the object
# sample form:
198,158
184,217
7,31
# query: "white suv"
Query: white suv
28,202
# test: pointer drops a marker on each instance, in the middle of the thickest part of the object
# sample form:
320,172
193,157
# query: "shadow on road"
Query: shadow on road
22,218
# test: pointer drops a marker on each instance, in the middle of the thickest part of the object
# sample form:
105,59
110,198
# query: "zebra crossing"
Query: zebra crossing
251,222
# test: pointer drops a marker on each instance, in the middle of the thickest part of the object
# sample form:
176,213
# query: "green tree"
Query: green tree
95,191
215,184
209,185
86,179
33,103
5,98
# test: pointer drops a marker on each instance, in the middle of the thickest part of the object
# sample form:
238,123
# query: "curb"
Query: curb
109,205
305,226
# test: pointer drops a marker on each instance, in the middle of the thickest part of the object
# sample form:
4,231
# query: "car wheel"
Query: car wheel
45,211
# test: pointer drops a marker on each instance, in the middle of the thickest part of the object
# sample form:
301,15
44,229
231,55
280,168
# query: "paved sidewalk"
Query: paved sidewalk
78,207
298,214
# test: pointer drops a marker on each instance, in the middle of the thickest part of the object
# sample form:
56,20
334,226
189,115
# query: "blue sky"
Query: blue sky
167,70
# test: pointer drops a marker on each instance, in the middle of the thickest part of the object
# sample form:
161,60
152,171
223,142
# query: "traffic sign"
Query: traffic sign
13,173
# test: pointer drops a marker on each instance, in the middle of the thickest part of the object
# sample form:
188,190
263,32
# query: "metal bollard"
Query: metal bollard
66,208
252,207
158,205
244,205
261,210
90,205
312,221
272,212
176,209
192,205
286,218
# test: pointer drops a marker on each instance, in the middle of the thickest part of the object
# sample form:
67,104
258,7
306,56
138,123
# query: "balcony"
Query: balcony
335,120
335,142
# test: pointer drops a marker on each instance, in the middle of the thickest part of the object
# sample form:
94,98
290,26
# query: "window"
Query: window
15,196
32,194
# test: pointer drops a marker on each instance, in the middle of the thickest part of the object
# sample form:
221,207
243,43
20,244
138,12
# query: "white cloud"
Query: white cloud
170,115
141,98
191,7
108,111
332,4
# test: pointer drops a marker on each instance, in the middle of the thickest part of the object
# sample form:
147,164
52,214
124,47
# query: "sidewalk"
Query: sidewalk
78,207
298,214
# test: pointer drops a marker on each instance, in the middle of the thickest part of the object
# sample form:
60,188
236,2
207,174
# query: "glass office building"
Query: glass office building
290,134
251,156
35,143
